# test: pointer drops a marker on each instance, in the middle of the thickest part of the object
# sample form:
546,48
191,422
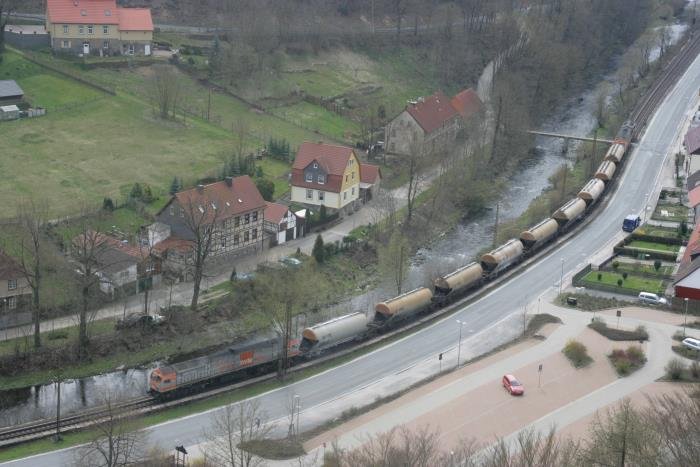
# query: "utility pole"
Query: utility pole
209,106
57,436
495,228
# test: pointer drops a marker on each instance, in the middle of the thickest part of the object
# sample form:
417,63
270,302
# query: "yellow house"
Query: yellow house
98,27
328,175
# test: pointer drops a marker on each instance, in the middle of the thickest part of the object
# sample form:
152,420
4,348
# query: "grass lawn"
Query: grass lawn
656,231
633,283
650,246
318,119
664,271
670,212
43,88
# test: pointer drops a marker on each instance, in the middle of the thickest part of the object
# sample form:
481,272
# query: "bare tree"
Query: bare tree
393,260
232,428
114,443
241,129
414,163
201,216
675,418
166,90
7,8
33,217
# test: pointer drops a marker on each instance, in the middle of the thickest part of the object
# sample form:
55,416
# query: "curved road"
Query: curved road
641,175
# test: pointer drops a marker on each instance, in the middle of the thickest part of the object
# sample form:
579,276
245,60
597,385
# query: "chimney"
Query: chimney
229,181
200,188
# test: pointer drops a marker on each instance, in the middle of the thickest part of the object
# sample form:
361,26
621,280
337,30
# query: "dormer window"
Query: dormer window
315,165
309,177
108,12
83,12
321,179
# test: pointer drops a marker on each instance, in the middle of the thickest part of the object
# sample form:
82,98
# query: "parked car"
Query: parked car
139,320
692,343
513,386
652,298
290,262
245,276
631,222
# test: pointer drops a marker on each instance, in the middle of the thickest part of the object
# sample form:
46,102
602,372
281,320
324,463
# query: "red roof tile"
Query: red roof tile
467,103
369,173
173,243
135,19
82,11
331,158
692,140
275,212
220,201
9,267
432,112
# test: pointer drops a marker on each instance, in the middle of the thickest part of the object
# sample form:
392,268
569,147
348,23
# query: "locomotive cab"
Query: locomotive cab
161,381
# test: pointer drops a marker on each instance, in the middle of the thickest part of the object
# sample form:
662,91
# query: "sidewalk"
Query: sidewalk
220,271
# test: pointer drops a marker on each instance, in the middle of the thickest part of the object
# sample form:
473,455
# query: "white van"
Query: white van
652,298
692,343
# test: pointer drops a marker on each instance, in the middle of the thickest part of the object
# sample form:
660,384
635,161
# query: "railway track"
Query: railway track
47,427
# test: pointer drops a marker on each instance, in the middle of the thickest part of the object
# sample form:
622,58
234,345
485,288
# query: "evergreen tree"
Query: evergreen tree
319,251
136,191
174,186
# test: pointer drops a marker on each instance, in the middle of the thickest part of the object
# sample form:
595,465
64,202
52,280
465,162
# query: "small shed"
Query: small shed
280,222
370,177
9,112
10,92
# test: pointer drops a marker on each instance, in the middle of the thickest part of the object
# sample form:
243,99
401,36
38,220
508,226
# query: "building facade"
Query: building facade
280,223
425,126
98,27
15,292
326,175
233,208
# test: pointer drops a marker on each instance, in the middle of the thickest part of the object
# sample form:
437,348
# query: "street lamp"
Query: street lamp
685,315
561,277
297,400
459,343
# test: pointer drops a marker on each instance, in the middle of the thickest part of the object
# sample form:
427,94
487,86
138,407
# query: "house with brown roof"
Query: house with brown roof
280,223
326,175
234,208
14,287
467,103
425,126
98,27
370,178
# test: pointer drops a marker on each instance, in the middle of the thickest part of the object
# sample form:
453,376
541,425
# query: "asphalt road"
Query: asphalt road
640,176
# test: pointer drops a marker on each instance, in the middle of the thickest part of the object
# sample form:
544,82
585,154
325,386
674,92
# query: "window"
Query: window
246,236
236,239
321,195
346,178
172,210
255,234
105,29
81,29
353,191
223,242
182,212
108,12
393,132
65,44
105,45
309,194
309,177
237,221
12,303
255,216
12,284
91,29
65,29
131,49
247,219
321,179
315,165
353,176
345,195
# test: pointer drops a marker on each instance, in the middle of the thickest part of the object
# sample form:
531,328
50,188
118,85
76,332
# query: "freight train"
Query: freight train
201,372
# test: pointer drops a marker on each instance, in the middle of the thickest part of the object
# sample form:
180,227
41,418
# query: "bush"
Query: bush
577,353
319,250
624,275
642,332
657,265
108,204
615,264
266,188
635,355
623,367
619,282
674,369
57,334
600,276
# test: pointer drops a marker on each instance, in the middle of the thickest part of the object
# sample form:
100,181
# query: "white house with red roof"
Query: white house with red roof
98,27
280,223
326,175
425,126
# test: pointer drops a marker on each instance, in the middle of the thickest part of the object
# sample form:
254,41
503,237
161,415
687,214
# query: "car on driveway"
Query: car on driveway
136,320
692,343
513,386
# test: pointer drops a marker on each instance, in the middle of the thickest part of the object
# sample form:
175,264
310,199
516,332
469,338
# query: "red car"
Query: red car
513,386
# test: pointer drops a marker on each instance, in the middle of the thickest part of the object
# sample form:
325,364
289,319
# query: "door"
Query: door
86,48
147,50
